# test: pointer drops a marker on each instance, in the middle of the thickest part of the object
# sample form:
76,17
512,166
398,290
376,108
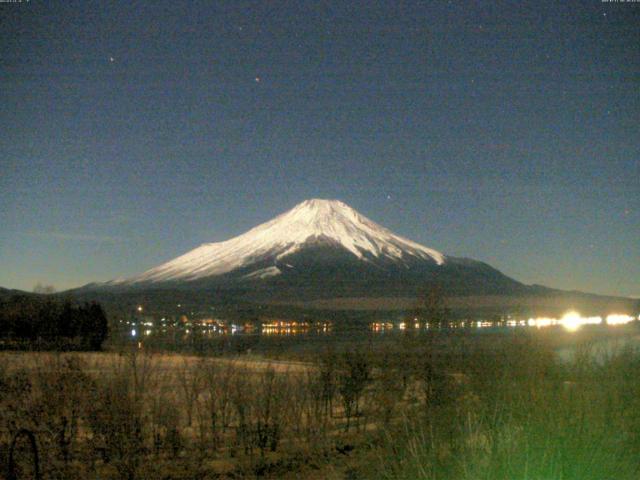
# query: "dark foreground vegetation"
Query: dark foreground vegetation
419,407
29,322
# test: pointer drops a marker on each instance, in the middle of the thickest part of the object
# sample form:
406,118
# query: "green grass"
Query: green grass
527,418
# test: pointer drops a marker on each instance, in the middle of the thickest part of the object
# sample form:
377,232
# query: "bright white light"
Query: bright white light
139,308
592,320
542,322
133,332
618,319
571,321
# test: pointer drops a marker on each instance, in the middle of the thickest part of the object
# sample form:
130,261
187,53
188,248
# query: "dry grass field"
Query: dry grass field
99,362
137,414
417,407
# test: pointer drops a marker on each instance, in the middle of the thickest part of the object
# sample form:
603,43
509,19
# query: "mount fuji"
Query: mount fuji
311,224
318,249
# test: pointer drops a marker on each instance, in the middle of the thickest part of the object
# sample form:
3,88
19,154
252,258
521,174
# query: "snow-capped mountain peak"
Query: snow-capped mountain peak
310,222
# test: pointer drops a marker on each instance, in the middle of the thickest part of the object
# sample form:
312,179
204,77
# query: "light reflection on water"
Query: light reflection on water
571,321
284,327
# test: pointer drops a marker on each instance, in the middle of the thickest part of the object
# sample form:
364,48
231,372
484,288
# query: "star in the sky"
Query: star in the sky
111,59
257,79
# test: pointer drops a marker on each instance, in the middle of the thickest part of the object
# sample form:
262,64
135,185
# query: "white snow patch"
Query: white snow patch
263,273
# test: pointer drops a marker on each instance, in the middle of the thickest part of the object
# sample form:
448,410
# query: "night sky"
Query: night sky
508,132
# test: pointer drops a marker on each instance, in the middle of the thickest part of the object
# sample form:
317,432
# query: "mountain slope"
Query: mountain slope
318,249
313,222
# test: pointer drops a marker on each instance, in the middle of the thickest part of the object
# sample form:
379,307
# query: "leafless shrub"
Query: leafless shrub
190,381
216,400
15,396
165,421
388,390
259,405
269,410
353,376
327,364
60,402
116,415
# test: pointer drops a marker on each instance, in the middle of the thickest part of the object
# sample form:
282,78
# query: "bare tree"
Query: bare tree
44,289
269,410
353,376
190,382
389,387
328,363
217,380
